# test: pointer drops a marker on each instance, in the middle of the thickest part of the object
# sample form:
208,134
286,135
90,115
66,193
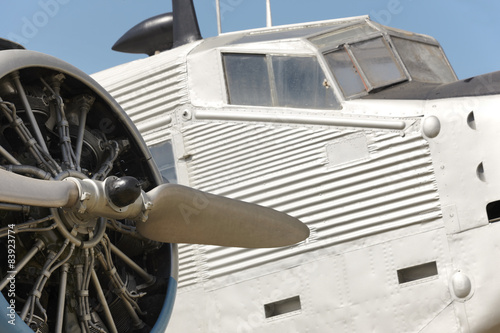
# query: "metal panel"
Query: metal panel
356,291
150,89
288,169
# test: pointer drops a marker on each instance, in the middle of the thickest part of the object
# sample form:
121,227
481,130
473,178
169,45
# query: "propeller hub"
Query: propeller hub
83,224
123,191
82,229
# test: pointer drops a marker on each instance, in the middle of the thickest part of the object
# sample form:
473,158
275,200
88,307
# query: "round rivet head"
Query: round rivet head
431,127
461,285
186,115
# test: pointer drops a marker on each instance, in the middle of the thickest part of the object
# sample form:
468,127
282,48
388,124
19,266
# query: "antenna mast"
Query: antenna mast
217,8
269,19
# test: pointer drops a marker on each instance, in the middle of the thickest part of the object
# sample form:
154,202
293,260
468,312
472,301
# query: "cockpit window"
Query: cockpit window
345,72
247,79
301,83
425,62
377,63
364,66
277,80
359,56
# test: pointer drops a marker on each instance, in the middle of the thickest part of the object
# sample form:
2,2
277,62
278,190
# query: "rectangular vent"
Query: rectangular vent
281,307
493,211
417,272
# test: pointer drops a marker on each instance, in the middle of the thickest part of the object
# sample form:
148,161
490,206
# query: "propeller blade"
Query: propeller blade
28,191
184,215
178,214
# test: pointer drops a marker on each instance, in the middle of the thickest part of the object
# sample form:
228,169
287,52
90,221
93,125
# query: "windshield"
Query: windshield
364,66
376,62
425,62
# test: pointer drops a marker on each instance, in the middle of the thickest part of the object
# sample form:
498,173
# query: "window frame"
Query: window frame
227,81
395,57
423,41
272,80
369,87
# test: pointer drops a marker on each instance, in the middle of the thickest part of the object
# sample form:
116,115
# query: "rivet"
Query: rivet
186,115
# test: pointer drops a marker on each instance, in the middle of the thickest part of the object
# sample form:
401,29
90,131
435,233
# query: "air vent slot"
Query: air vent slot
471,121
493,211
281,307
418,272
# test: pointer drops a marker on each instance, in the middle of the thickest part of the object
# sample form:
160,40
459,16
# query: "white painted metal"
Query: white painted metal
150,90
381,187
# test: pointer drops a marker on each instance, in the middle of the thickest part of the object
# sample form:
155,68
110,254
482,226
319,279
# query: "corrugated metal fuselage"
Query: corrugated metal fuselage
395,193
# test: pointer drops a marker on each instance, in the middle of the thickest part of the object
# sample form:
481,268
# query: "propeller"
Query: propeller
34,192
169,213
186,215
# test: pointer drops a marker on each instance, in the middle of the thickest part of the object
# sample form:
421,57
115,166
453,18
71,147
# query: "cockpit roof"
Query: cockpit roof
355,57
301,31
311,31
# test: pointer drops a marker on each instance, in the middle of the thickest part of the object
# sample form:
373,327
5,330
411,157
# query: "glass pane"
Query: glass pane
425,62
377,62
301,83
163,155
345,72
247,79
338,37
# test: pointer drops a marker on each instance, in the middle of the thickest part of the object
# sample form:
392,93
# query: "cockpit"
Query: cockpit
318,66
371,60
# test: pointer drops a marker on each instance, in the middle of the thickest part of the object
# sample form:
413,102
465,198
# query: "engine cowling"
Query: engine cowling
60,271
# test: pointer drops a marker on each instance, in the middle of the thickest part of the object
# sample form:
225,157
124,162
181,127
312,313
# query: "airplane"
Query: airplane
88,226
352,127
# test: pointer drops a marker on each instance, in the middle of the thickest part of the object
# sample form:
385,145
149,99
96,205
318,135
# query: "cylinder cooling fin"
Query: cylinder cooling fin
61,271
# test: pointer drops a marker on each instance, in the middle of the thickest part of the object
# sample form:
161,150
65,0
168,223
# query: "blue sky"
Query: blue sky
82,32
